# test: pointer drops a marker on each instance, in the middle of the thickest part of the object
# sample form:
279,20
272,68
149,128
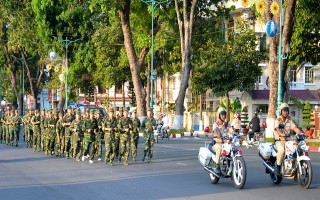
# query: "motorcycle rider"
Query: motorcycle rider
236,122
280,136
216,146
255,121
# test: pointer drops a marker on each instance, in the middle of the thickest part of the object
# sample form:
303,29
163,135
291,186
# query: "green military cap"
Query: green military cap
121,109
16,111
36,111
78,112
149,109
69,107
87,110
97,112
43,109
134,111
92,111
111,109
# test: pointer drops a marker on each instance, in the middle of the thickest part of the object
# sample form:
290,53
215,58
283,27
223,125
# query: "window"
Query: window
293,76
308,75
259,80
204,102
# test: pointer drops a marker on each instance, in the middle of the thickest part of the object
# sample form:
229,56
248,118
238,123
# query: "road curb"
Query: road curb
314,148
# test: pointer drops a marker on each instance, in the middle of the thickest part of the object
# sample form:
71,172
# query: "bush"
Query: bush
177,131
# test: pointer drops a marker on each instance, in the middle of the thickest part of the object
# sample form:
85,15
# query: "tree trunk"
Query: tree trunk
134,62
185,29
123,96
62,100
148,86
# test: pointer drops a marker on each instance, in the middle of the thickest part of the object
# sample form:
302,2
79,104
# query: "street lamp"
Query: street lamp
67,42
281,57
154,4
22,60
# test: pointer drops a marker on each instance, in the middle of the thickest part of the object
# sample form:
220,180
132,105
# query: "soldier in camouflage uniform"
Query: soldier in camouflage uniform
109,125
125,128
35,121
99,135
10,134
150,125
1,121
24,131
51,133
29,127
59,136
117,134
76,127
43,128
89,128
68,118
134,135
16,128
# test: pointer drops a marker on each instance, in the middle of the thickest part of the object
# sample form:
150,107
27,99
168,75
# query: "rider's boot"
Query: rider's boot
216,169
277,170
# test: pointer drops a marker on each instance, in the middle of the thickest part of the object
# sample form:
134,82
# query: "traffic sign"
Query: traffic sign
271,28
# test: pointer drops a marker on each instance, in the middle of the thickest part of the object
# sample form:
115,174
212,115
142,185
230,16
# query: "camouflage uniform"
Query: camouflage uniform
98,136
43,128
134,137
150,125
117,134
89,128
76,127
11,128
35,121
29,129
68,118
109,125
125,127
51,134
1,136
59,136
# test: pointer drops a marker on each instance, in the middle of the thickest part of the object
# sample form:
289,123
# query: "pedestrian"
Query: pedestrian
98,136
35,121
150,125
67,120
76,127
117,134
125,127
109,126
134,135
89,128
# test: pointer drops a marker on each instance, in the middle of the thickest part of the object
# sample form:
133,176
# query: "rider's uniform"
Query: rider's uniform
280,141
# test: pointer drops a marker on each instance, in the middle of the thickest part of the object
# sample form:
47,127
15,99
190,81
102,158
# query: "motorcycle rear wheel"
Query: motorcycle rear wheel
305,176
276,179
239,173
213,179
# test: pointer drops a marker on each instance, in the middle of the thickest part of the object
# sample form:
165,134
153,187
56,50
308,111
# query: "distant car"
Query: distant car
94,108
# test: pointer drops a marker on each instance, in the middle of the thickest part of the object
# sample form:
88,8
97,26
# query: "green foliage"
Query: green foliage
306,115
177,131
304,45
228,66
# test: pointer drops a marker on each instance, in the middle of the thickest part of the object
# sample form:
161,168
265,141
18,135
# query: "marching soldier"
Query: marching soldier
89,128
117,134
35,122
42,128
125,126
76,127
29,127
67,132
150,125
98,142
1,132
109,126
59,136
11,128
134,135
51,133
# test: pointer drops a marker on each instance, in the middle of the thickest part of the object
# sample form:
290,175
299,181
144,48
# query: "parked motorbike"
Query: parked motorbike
232,164
296,164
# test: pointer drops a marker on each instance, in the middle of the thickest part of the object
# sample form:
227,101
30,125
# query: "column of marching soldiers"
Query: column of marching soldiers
80,135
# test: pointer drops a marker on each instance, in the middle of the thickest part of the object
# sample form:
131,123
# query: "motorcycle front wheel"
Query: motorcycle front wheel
239,173
305,175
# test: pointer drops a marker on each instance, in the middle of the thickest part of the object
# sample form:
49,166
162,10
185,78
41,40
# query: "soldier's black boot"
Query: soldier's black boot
144,156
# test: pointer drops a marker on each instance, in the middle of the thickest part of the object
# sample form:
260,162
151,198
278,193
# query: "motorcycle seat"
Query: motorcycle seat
210,148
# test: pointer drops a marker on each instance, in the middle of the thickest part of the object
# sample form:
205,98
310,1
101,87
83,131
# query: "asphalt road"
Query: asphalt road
174,174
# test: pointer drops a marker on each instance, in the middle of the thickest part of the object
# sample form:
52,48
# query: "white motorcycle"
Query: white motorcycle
296,164
232,164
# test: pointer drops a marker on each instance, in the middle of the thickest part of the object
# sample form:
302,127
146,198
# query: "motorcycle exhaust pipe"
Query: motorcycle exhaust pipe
211,171
270,168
